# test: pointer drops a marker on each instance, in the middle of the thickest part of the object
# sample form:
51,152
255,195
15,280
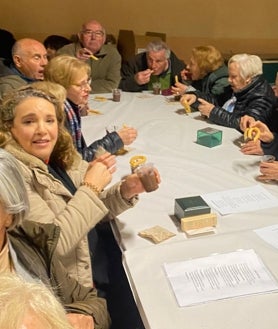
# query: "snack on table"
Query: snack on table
253,134
156,234
100,98
186,106
91,111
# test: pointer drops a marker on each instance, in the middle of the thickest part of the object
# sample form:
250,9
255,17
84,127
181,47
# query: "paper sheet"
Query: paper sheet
269,234
241,200
218,277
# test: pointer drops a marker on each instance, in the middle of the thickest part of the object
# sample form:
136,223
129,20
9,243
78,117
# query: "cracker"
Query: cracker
156,234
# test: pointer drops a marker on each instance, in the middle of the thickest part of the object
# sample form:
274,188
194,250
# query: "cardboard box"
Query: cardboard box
191,206
209,137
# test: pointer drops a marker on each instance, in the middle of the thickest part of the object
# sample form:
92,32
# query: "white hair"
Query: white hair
157,45
249,65
19,298
13,194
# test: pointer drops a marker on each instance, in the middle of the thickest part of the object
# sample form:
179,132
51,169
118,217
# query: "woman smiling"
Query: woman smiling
62,188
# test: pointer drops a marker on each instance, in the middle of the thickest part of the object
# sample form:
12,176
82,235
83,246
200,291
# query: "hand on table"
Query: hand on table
269,171
205,107
252,147
190,98
127,134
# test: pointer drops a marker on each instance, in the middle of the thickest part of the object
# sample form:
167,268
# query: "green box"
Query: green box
191,206
209,137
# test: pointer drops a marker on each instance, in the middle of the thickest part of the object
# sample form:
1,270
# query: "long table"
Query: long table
167,137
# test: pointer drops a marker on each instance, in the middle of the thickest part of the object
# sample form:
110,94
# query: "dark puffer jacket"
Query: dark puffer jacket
111,142
271,148
216,84
256,100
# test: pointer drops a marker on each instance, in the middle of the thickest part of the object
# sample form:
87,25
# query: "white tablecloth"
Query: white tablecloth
168,139
156,300
187,169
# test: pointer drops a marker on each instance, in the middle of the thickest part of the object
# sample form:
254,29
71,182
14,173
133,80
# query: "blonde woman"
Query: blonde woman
74,75
208,74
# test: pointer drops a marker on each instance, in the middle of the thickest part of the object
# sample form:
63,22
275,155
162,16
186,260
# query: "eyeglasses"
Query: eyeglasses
83,85
97,34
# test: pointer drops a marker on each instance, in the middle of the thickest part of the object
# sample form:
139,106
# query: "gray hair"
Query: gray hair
13,194
19,298
249,65
158,45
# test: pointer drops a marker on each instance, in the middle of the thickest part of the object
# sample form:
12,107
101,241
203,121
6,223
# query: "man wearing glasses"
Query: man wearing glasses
104,59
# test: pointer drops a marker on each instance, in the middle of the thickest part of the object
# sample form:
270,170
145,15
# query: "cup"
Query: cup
116,95
147,177
268,158
156,88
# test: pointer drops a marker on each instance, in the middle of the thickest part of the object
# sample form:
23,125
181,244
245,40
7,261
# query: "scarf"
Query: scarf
74,124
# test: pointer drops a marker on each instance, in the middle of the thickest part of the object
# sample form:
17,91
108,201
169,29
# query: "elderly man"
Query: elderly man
104,60
157,64
29,60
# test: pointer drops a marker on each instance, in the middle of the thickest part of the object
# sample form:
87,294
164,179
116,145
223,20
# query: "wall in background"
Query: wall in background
186,23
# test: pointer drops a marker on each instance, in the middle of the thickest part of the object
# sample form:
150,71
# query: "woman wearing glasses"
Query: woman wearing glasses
74,75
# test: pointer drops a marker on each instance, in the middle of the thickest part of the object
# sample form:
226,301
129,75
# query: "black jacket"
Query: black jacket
256,100
111,142
271,148
139,63
215,84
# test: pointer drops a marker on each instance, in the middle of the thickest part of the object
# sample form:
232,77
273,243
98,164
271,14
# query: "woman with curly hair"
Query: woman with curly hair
62,188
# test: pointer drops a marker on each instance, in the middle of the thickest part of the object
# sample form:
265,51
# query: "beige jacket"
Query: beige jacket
51,202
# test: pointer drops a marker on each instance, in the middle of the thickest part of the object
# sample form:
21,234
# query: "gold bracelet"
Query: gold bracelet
91,187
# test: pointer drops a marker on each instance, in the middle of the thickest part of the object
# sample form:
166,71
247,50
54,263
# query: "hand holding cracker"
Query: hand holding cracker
186,105
252,133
